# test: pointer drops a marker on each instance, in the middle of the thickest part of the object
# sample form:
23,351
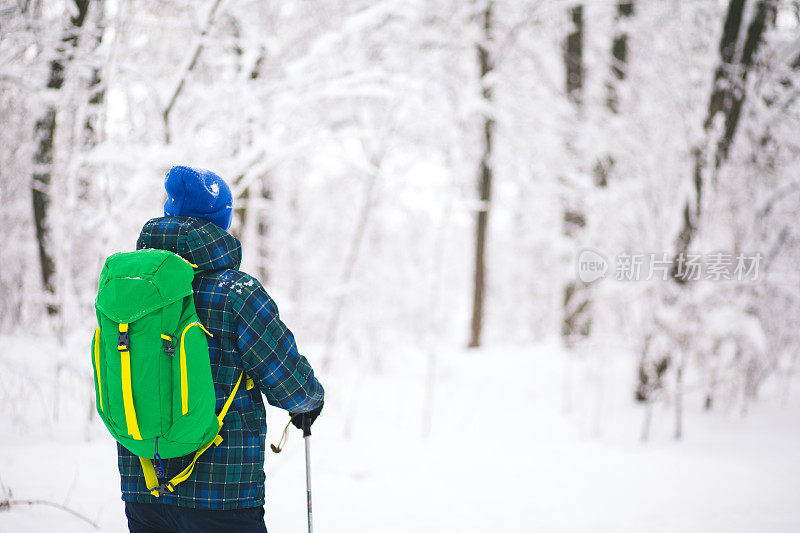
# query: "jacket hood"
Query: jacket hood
198,241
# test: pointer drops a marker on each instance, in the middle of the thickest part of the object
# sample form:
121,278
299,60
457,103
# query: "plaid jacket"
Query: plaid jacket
248,336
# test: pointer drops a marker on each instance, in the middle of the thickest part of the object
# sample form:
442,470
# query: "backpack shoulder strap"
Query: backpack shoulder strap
123,345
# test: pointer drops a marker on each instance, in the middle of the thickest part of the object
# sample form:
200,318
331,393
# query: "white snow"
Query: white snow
502,456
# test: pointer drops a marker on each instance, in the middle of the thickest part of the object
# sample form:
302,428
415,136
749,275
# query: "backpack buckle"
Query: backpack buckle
123,342
164,488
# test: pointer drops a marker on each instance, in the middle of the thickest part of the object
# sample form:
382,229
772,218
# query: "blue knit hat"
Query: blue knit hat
196,192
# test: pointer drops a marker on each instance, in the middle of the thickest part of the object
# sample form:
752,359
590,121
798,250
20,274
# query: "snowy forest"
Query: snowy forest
543,254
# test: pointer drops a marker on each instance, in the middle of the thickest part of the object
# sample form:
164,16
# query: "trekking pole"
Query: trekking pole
307,439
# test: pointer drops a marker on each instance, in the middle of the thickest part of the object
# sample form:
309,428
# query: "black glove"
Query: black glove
304,420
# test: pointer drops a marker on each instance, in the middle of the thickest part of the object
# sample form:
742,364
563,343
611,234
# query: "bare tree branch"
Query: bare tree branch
5,505
195,55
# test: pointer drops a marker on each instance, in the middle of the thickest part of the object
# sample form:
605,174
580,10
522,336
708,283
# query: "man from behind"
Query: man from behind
226,489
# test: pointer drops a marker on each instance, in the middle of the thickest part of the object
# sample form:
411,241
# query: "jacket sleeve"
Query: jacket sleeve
269,352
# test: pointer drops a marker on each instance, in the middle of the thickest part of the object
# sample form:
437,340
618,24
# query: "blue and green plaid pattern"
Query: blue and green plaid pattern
248,336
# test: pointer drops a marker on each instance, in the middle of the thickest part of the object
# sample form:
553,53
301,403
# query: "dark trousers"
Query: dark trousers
161,518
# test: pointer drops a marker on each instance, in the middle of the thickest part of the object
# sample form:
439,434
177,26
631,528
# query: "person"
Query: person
225,492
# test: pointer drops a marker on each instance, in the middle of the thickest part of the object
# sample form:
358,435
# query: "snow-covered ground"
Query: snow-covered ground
502,455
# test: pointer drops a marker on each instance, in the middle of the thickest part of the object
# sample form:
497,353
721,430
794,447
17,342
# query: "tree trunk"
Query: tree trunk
724,107
619,55
485,187
679,395
619,58
262,230
647,422
242,213
727,98
43,157
40,185
573,56
251,219
576,321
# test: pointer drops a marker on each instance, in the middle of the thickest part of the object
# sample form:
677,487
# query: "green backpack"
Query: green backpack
152,370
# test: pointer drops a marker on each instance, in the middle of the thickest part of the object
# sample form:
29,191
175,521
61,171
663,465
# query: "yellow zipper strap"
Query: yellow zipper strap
97,365
184,373
127,392
149,472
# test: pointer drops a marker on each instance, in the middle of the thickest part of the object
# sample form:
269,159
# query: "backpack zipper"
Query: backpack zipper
184,373
97,365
